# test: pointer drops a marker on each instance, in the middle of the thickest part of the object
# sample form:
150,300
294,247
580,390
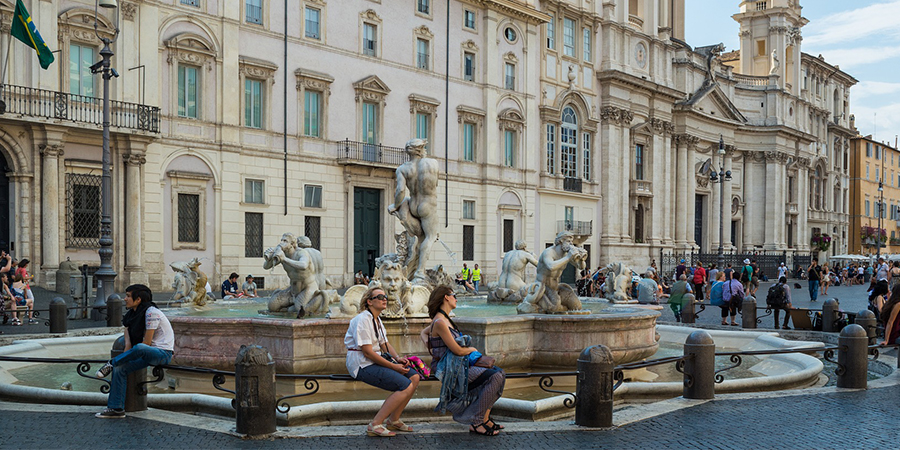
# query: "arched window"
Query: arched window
569,143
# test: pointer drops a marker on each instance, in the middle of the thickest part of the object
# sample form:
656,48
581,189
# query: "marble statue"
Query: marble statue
309,291
190,283
510,287
404,299
618,283
776,64
417,212
546,295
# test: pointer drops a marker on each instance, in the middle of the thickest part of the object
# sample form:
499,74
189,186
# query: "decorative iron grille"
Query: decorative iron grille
83,210
253,235
312,228
507,235
189,218
468,242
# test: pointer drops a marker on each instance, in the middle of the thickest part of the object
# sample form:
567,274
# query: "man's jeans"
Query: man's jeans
140,356
476,284
813,290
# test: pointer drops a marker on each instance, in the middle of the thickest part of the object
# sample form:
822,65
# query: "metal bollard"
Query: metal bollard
699,366
688,314
748,312
869,322
114,306
134,399
59,315
853,355
254,386
594,387
830,309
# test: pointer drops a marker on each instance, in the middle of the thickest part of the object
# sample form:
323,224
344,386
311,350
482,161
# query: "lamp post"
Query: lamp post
721,177
880,211
105,274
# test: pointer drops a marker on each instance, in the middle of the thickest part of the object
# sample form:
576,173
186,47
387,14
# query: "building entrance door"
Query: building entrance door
366,229
698,222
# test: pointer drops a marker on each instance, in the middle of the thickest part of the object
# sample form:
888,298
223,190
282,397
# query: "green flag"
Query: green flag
24,30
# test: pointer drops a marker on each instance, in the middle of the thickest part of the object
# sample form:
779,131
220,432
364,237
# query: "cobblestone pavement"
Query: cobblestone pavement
836,419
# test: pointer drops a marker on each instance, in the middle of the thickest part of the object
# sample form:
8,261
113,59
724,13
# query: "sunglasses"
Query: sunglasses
380,297
452,295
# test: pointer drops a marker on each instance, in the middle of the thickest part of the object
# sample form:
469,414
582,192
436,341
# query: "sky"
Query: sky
861,36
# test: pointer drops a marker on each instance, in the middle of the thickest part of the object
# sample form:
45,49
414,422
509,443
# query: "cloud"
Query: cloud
874,88
859,56
848,26
886,124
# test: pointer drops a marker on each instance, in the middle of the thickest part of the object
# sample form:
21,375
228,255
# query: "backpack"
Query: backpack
777,296
745,274
737,299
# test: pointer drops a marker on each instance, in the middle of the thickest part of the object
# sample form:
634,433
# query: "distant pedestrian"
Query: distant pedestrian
476,277
746,274
699,280
679,270
779,298
733,297
895,274
676,297
782,271
813,276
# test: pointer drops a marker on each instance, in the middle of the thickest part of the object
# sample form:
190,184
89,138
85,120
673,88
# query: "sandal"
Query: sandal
494,425
734,324
724,323
379,431
488,430
399,426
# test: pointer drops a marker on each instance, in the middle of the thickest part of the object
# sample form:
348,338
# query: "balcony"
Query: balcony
575,227
636,21
31,102
751,80
572,184
377,155
642,188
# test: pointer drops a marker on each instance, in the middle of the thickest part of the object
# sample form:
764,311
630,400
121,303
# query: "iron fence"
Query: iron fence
768,261
353,151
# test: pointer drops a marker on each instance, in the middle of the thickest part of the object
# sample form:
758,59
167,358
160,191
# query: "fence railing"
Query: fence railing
360,152
577,227
768,261
33,102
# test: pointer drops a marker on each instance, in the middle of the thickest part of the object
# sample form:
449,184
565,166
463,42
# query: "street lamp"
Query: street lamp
880,212
105,274
721,177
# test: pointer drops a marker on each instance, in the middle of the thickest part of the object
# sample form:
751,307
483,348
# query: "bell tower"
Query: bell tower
770,40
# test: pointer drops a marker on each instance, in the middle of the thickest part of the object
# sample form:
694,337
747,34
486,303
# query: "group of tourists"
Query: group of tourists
15,291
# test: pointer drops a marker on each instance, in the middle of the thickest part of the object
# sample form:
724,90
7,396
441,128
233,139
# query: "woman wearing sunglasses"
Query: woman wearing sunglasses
382,368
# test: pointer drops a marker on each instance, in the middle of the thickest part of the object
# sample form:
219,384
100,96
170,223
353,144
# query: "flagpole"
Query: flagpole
5,68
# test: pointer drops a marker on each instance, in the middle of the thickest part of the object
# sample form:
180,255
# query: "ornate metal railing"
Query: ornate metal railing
736,357
360,152
33,102
580,228
572,184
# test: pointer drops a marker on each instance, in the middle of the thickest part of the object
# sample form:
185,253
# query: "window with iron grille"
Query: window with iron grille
507,235
468,209
313,196
253,235
312,228
254,191
468,242
189,218
260,282
82,210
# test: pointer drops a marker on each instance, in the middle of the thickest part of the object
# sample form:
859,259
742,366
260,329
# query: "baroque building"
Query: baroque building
236,121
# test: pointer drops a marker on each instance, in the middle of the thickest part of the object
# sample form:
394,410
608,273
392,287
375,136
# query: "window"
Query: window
586,162
254,191
568,147
423,127
586,43
468,242
312,196
187,91
312,23
570,217
253,103
370,123
188,218
510,76
508,235
867,208
191,2
369,31
868,149
254,11
469,209
551,33
253,235
312,119
312,228
422,54
469,19
423,6
82,210
469,141
551,149
638,162
761,47
510,34
790,189
867,171
569,37
469,66
761,6
81,80
509,148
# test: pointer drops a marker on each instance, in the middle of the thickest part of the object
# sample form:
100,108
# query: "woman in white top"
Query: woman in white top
373,367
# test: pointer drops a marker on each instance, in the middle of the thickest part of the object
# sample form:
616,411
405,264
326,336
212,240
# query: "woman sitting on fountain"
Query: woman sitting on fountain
384,369
467,391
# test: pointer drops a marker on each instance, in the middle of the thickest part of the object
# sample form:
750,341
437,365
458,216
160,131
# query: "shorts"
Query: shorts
755,282
384,378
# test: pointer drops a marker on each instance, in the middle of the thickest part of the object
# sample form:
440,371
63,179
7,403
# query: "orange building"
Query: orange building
874,192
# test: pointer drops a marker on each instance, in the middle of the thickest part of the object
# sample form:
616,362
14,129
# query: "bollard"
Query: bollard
114,311
594,387
134,399
688,314
869,322
853,355
59,315
830,310
748,312
699,366
254,387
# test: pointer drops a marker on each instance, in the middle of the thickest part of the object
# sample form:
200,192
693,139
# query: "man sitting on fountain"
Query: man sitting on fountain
418,211
306,270
546,295
149,341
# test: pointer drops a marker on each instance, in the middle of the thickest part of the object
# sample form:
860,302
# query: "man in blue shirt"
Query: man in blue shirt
230,287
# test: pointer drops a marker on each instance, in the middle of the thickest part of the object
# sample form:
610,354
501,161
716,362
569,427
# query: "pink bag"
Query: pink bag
419,366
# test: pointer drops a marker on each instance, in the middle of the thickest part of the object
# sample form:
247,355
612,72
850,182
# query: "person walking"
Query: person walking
782,271
676,296
779,298
826,279
813,276
699,281
733,297
476,277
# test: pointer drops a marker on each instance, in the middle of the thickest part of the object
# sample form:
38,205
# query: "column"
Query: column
772,221
133,227
691,194
50,209
726,236
680,191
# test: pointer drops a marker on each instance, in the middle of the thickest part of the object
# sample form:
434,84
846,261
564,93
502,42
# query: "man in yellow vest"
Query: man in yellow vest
476,277
466,273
